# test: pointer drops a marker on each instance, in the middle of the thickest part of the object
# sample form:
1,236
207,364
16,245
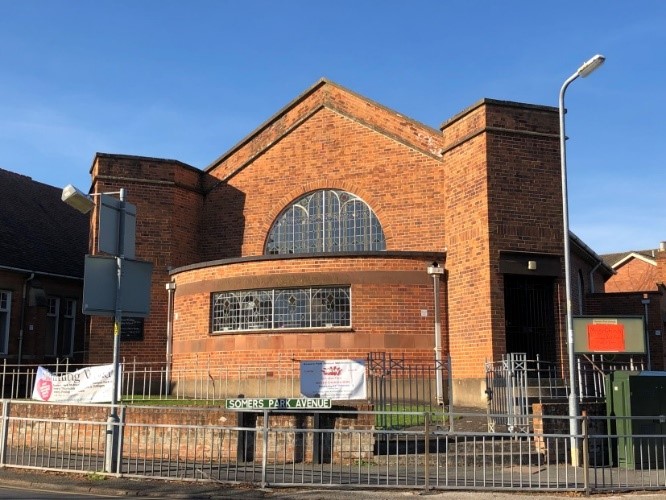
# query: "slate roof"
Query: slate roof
591,255
38,232
613,258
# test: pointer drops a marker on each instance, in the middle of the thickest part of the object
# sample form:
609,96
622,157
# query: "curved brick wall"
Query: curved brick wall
389,294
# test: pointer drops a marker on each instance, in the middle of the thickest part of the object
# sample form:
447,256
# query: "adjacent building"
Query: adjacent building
637,288
635,271
42,246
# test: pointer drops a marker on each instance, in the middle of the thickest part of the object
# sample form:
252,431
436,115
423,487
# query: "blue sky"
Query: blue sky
189,79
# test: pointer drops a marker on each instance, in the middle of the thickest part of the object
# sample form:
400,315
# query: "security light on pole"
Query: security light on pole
591,65
77,199
115,237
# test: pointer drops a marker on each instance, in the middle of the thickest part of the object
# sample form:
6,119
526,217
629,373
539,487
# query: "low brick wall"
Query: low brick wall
198,434
544,427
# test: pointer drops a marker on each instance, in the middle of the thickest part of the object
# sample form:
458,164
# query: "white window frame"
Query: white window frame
69,326
53,312
5,317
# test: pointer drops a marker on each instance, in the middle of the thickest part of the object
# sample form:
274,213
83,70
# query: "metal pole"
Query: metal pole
449,369
586,453
585,70
426,449
438,343
112,429
264,450
573,399
646,302
171,288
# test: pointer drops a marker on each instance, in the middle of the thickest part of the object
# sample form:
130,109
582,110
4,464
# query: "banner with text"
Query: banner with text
339,379
88,385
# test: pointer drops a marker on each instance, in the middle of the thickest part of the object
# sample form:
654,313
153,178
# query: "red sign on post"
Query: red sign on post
605,338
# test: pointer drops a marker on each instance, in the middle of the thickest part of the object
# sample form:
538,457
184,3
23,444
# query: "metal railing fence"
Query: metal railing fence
393,382
592,370
204,380
514,383
397,384
281,448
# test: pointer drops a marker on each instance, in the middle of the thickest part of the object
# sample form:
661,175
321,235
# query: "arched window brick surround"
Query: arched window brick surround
326,221
282,204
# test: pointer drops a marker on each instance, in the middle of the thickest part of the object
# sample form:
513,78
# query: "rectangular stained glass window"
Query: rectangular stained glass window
278,309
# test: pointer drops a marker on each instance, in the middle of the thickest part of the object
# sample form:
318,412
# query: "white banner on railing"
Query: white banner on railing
93,384
340,379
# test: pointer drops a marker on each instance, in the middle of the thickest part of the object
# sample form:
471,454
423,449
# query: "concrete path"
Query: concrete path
122,487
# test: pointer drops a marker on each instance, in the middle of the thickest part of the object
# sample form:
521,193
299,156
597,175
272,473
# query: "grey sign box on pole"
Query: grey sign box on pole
110,213
100,284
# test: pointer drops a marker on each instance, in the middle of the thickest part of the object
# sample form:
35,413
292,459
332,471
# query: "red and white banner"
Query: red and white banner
93,384
338,379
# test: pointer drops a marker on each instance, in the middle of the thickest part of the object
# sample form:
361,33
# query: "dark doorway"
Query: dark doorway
529,311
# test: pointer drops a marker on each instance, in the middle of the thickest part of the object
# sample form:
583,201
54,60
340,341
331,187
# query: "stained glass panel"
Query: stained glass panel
281,309
326,221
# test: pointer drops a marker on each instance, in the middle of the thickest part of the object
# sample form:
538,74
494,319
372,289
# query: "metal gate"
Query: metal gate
513,384
506,387
400,385
529,309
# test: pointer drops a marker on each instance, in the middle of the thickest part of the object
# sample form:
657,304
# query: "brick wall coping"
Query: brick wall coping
141,158
300,98
435,256
497,102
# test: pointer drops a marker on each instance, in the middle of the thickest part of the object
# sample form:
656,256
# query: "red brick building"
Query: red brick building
310,239
637,288
635,271
42,246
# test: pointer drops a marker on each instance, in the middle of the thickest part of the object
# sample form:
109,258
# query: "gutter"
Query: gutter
592,276
41,273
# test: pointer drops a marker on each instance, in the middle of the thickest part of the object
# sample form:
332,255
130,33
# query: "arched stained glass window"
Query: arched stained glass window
326,221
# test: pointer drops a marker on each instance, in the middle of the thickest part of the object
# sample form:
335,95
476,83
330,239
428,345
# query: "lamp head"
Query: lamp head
77,199
590,65
435,269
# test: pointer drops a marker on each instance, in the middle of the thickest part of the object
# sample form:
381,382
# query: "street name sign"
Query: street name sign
278,404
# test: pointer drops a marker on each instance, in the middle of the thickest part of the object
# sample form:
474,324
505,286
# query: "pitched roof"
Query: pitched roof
38,232
585,251
615,260
345,102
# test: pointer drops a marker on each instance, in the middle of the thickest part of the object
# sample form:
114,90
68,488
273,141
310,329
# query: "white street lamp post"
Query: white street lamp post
587,68
435,271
